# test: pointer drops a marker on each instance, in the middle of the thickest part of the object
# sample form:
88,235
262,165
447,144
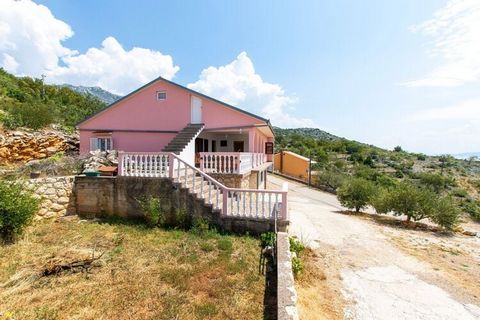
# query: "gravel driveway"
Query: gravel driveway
377,280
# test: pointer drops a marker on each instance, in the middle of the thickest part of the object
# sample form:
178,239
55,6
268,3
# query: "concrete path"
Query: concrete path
377,279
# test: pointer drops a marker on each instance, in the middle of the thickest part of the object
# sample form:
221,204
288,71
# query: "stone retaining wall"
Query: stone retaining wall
118,196
56,194
286,293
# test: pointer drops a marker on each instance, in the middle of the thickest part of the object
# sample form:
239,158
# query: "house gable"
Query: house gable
140,110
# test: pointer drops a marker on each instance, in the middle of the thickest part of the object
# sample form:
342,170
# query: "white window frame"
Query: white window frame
101,143
158,95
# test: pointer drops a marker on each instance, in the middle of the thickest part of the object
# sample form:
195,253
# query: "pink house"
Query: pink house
163,116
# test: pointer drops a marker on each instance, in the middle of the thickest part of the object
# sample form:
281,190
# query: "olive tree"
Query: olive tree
356,193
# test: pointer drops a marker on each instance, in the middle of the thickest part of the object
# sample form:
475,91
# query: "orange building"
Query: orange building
291,164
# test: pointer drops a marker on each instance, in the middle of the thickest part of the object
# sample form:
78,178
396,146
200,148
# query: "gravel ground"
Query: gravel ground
383,272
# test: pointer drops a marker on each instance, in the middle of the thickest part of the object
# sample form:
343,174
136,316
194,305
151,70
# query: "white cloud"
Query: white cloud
113,68
238,84
31,38
31,44
455,30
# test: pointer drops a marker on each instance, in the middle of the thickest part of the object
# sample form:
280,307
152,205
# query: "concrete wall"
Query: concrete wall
118,196
286,293
56,195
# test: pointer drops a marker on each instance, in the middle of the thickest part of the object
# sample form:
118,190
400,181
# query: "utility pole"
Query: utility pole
43,86
310,169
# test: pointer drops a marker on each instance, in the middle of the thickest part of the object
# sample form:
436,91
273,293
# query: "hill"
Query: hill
28,102
307,132
338,159
97,92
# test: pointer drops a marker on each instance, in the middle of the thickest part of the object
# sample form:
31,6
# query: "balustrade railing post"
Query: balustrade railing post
225,201
171,164
120,163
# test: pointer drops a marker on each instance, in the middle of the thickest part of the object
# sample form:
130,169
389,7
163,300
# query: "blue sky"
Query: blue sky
366,70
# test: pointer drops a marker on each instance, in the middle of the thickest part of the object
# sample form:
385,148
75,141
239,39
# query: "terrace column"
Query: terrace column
251,140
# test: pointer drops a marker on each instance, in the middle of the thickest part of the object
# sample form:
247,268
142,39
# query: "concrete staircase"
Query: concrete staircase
182,139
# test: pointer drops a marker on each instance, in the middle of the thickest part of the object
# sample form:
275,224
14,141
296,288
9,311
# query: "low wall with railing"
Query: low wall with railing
230,202
97,197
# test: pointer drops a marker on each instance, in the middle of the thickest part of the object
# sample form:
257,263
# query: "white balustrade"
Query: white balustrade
230,162
242,203
143,164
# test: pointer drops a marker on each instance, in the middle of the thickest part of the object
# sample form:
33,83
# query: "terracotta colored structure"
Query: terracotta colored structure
292,164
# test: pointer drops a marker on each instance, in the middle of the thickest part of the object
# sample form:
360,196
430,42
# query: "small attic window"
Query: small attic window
161,95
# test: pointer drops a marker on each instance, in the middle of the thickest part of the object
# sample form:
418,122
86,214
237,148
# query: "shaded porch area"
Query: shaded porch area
233,151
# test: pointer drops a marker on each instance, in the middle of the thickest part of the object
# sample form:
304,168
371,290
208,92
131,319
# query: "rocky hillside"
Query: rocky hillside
22,146
97,92
314,133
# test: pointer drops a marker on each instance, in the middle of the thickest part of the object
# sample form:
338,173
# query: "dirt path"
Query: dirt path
379,272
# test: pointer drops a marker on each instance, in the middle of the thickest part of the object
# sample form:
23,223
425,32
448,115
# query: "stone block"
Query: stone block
63,200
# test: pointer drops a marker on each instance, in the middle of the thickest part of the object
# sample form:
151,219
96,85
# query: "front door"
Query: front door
237,146
196,110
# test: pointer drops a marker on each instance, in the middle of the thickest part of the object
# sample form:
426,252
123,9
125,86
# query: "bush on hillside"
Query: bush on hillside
31,115
356,193
446,213
17,209
472,207
435,181
329,179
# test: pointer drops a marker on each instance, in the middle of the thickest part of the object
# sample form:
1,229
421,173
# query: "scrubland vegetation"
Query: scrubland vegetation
28,102
418,186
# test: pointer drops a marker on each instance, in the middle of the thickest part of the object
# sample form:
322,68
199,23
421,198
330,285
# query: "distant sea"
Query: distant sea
467,155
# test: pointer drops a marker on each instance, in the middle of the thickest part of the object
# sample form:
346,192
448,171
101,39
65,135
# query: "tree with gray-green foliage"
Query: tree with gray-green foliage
408,199
356,193
446,213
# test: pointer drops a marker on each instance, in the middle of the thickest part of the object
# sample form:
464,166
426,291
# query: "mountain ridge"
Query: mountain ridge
98,92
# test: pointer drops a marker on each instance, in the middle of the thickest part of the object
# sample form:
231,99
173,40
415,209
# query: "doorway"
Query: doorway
238,146
196,110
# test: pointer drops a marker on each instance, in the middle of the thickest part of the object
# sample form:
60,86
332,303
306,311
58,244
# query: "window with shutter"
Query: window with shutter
102,144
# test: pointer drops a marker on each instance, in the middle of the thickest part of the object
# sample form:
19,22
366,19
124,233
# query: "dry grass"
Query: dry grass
318,286
143,274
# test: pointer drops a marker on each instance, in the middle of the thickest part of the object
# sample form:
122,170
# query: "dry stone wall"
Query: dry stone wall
22,146
56,194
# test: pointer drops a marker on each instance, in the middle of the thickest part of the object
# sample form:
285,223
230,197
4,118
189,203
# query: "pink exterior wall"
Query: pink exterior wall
142,112
130,141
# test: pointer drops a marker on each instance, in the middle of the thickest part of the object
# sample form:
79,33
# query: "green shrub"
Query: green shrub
17,208
201,227
472,207
356,193
446,213
31,115
268,239
330,179
297,266
296,246
152,208
435,181
421,157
